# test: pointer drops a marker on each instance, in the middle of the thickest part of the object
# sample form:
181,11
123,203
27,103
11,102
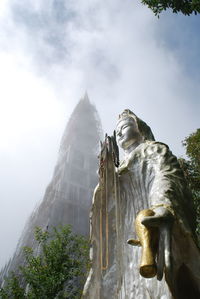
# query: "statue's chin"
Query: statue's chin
121,144
128,145
124,144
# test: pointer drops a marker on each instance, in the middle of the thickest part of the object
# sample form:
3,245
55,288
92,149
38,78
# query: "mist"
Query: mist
51,52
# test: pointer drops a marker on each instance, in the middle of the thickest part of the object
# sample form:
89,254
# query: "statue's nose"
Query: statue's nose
119,133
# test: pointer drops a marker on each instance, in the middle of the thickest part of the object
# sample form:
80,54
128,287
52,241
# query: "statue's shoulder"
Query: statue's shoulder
154,148
148,150
155,145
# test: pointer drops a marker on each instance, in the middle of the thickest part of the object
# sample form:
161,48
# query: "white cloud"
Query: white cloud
30,120
27,103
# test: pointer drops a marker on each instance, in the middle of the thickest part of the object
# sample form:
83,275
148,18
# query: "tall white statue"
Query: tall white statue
144,202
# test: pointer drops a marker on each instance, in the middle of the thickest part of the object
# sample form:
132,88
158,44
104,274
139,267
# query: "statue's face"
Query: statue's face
127,133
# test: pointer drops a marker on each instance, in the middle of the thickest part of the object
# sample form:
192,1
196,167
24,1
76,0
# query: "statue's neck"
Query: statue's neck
131,148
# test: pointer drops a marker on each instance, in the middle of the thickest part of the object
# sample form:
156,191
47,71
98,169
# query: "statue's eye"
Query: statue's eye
124,127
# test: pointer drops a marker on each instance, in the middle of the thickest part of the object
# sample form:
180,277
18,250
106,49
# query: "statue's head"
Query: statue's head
131,130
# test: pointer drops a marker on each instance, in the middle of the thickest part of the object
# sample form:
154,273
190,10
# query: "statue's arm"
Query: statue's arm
168,180
169,193
162,197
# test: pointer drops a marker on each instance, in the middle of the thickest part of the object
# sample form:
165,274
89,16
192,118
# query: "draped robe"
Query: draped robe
150,177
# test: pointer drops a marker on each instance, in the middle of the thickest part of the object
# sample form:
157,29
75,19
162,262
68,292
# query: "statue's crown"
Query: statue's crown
126,113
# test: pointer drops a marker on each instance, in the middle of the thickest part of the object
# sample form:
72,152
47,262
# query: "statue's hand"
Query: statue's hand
109,156
107,164
162,216
163,220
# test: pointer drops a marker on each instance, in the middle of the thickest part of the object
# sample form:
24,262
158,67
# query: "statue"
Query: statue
145,201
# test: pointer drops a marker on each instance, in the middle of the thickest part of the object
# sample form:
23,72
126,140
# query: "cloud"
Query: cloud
30,120
52,51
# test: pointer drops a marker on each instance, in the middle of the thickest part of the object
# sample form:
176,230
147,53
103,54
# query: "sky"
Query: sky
52,51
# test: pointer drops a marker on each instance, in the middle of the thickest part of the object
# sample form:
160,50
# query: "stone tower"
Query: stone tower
68,197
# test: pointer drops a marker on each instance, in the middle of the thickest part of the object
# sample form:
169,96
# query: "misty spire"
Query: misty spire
68,197
86,98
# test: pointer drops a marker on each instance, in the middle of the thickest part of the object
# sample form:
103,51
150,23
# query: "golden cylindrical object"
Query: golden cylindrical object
148,240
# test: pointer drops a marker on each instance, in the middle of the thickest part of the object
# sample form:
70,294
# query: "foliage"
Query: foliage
56,270
12,289
191,169
192,144
187,7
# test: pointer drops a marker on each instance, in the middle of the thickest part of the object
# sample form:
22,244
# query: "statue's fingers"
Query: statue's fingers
109,146
115,149
114,135
160,258
152,221
167,243
109,163
164,251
